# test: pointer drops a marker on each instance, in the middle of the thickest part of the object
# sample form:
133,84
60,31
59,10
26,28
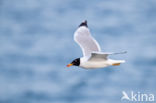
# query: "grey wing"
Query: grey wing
98,56
87,43
103,55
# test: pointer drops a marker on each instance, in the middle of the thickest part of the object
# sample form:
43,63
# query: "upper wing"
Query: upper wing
98,56
102,55
83,37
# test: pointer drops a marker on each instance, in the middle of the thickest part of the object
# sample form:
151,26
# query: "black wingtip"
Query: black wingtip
84,23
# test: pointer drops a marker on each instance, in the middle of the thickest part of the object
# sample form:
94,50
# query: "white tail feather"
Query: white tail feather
121,61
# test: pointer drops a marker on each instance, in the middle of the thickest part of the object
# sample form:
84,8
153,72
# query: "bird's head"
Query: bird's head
75,62
84,23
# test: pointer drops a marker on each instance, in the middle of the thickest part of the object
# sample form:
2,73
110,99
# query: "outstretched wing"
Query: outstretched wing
98,56
87,43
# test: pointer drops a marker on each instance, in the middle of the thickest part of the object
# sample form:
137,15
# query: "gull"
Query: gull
92,56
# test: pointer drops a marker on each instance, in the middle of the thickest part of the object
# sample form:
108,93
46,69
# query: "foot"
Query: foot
116,64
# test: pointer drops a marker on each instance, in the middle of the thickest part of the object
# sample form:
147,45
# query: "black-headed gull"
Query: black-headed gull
92,55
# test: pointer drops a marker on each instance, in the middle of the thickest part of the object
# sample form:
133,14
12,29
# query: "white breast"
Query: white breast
84,63
93,65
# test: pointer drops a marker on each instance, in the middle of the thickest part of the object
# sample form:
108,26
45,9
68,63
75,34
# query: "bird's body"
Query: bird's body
98,60
98,64
92,55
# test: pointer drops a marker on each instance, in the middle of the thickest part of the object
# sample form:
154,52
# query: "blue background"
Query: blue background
36,43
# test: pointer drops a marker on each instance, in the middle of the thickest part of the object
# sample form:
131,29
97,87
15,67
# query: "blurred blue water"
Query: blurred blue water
36,43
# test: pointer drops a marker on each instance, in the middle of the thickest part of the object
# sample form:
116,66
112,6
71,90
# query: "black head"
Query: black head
75,62
84,23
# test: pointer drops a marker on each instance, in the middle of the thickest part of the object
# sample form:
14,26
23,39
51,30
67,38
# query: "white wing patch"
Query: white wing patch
87,43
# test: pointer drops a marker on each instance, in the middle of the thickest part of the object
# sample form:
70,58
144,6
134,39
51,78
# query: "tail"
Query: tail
121,61
118,62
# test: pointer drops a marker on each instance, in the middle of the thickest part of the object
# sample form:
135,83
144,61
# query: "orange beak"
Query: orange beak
69,65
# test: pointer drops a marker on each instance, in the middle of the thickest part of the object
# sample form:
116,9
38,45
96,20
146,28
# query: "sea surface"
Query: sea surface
36,44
